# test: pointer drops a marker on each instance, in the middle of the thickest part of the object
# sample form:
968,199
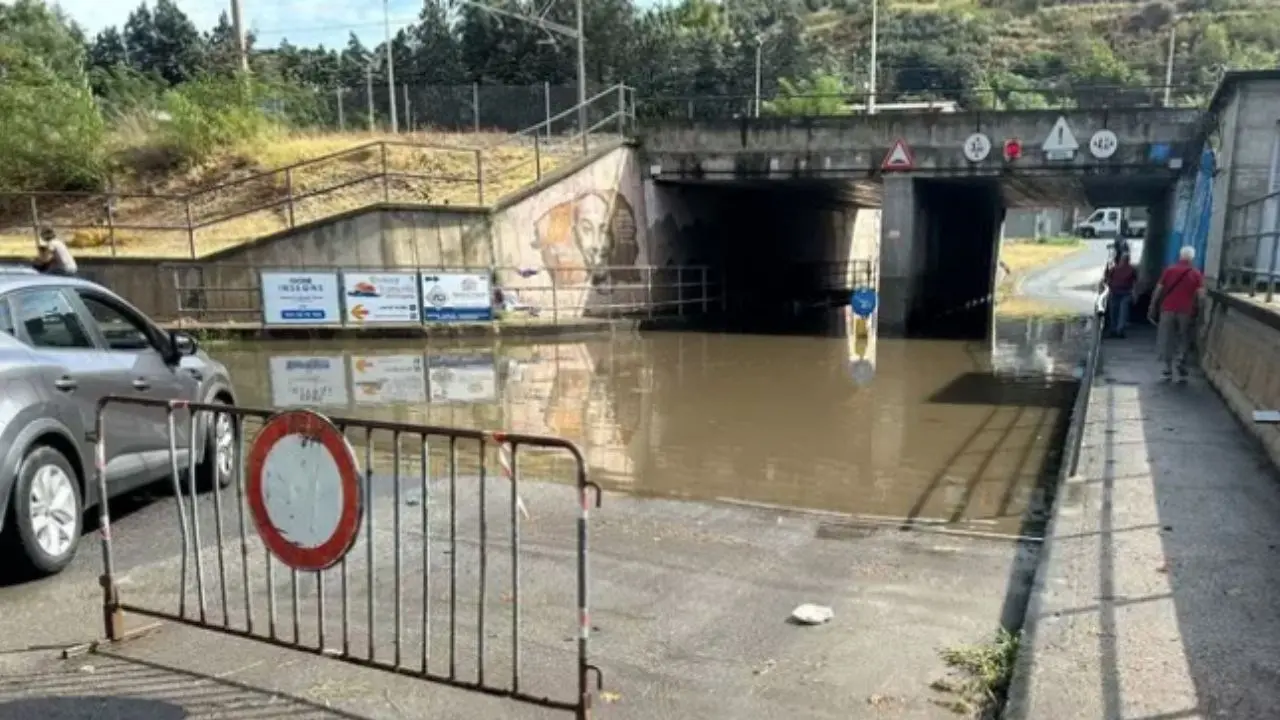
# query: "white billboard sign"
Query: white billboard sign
300,298
373,298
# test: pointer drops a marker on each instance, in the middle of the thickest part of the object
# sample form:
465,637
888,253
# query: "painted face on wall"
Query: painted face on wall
581,238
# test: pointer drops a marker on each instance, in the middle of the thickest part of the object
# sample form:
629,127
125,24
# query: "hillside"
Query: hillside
173,115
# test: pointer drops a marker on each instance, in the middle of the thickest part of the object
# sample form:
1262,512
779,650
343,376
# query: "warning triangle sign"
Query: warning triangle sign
899,157
1060,137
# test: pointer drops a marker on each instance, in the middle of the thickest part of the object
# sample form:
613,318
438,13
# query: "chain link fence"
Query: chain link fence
445,108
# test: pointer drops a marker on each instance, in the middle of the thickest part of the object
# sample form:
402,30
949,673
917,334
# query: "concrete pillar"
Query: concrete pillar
901,252
1159,228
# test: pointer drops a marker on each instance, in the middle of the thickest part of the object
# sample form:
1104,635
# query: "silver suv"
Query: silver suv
64,344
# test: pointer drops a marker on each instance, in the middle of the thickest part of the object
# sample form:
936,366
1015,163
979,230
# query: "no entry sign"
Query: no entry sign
304,490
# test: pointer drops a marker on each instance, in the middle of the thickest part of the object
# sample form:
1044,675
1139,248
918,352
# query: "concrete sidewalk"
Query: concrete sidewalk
1156,596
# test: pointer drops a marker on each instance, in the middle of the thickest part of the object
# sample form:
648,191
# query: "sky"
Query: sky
303,22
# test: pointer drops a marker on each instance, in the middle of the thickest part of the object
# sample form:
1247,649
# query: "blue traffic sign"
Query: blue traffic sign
863,302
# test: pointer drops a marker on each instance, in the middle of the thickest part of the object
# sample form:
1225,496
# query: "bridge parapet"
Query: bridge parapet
1150,140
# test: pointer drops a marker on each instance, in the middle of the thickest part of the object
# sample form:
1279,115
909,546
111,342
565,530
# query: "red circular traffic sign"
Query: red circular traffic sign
304,490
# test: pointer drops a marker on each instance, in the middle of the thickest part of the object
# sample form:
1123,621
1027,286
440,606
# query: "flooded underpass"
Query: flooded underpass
745,475
928,431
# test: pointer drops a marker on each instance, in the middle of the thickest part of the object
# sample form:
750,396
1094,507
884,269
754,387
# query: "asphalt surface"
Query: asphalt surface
1072,284
690,606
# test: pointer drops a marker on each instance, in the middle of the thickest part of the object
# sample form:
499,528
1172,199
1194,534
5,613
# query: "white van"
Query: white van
1112,222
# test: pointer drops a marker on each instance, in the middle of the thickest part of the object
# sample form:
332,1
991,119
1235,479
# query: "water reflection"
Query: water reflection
945,431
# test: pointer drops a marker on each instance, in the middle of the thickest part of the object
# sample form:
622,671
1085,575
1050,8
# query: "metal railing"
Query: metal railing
391,600
932,100
1251,249
233,293
377,172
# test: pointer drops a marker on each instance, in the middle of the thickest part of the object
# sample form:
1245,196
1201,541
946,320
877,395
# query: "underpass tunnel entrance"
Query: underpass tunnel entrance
784,254
938,258
962,226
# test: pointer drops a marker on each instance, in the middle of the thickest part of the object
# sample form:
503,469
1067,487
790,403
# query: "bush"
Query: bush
213,114
53,132
52,138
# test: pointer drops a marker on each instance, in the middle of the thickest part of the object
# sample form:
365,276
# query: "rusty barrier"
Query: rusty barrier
394,601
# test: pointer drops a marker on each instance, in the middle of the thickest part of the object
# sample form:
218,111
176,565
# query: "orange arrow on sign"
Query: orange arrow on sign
359,312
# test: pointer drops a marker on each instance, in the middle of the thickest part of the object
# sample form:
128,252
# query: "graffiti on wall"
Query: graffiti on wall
588,239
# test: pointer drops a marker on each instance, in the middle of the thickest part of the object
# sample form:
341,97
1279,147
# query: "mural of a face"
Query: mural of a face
579,238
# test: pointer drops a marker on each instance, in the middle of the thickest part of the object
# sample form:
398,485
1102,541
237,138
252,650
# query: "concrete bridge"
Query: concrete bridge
942,203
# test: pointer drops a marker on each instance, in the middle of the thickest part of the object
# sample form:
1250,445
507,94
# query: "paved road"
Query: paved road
1071,285
690,604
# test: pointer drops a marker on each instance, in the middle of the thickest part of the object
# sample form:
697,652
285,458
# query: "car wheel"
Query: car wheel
217,469
1086,233
48,511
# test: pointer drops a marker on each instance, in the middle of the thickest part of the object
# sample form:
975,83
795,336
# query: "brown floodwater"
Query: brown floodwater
961,432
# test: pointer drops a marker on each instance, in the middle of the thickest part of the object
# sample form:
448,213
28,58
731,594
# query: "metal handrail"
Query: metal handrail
191,225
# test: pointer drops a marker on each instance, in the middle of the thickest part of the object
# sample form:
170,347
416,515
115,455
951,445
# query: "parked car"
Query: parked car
64,344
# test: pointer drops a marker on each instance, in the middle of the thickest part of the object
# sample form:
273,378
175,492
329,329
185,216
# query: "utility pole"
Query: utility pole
549,26
391,66
875,48
368,90
759,58
1168,66
342,124
238,24
582,80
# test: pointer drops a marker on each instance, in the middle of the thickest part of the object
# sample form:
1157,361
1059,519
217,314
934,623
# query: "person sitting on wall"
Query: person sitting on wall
52,255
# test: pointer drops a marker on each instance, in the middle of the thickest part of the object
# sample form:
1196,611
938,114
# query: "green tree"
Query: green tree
53,134
821,95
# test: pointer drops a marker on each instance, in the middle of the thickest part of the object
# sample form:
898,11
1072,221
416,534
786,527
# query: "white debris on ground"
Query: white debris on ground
809,614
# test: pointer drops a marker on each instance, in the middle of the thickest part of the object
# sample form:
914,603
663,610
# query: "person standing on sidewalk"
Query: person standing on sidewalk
1121,279
1180,286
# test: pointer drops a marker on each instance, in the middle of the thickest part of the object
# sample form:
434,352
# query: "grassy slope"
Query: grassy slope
155,227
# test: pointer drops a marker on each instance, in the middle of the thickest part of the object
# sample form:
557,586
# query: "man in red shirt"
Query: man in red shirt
1175,296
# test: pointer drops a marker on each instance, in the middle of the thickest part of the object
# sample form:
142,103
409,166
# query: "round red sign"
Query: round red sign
304,490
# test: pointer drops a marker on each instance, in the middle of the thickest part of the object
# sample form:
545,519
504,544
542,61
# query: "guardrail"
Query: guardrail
931,100
261,203
1251,250
234,293
1075,429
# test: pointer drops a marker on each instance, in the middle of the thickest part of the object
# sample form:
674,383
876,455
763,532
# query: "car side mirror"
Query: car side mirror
183,345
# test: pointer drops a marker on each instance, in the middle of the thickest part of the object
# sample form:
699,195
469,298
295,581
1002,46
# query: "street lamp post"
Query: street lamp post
391,68
875,37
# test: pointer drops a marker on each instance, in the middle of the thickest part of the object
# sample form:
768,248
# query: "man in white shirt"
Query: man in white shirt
52,255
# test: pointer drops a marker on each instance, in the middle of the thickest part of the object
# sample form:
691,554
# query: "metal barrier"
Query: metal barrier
326,602
233,293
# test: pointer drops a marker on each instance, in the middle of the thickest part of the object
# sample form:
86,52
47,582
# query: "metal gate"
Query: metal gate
411,620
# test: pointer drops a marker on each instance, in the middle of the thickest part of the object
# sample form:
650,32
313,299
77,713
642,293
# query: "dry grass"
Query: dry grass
245,194
1020,258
